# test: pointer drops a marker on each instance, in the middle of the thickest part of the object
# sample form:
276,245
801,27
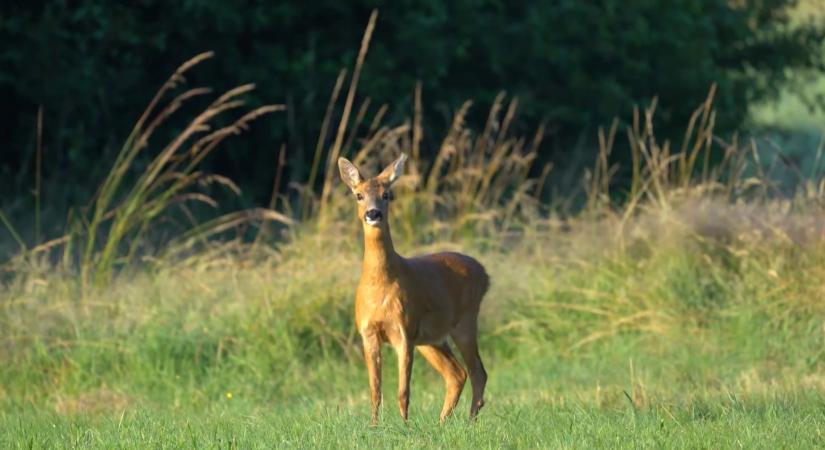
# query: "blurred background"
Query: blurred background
92,67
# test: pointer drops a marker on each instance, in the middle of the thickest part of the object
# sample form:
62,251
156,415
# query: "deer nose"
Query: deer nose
373,215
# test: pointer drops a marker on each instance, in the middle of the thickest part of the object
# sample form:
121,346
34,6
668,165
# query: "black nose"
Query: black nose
373,215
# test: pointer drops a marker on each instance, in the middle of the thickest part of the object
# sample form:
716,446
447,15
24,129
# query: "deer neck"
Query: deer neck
380,259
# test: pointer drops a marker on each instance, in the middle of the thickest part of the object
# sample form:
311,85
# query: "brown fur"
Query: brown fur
415,302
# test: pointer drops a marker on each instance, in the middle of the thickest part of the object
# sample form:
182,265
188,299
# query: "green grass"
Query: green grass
770,423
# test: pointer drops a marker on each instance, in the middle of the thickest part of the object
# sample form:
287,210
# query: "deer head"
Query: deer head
372,195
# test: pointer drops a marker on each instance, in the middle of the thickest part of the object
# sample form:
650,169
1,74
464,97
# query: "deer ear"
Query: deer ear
393,171
349,173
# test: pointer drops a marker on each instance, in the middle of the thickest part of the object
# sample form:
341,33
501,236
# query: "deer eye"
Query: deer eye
386,195
359,196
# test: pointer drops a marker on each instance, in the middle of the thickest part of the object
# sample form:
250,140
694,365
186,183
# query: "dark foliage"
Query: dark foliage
94,64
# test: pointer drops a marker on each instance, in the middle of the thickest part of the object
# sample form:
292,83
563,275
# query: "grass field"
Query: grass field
686,311
774,423
677,344
671,346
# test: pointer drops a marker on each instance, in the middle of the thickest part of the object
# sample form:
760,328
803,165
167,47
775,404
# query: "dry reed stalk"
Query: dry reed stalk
598,185
163,183
708,147
359,117
12,231
226,222
38,175
273,199
702,140
108,188
448,147
171,83
417,130
372,143
199,151
483,143
278,173
376,121
545,171
342,126
322,137
500,151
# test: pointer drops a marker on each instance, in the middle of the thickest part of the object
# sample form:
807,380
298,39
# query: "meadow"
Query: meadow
682,311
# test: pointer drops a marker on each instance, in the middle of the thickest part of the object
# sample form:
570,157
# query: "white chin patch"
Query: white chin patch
373,223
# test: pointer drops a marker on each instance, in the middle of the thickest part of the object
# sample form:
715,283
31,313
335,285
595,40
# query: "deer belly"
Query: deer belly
432,329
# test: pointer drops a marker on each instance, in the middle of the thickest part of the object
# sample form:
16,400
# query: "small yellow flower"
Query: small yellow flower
229,396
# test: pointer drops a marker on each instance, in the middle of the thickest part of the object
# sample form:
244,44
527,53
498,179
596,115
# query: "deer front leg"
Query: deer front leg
372,355
403,350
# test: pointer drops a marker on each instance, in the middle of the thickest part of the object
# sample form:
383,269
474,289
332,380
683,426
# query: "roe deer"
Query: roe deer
414,302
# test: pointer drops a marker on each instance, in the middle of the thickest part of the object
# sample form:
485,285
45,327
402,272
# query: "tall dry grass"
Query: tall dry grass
109,233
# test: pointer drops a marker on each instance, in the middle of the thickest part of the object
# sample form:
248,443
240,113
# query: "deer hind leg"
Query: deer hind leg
465,336
405,358
372,355
443,360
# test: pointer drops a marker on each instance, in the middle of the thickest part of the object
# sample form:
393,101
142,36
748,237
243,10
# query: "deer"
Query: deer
414,302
